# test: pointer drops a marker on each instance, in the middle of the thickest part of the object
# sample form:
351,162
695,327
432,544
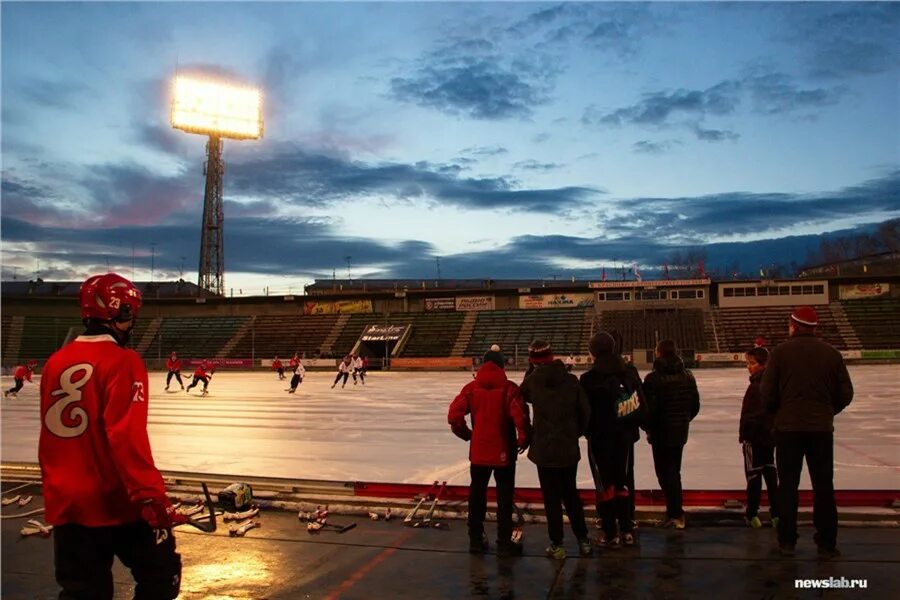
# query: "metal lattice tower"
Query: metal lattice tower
212,253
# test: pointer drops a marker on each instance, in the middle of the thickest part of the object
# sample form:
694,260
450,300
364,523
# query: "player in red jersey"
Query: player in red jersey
276,364
21,374
173,364
102,491
203,373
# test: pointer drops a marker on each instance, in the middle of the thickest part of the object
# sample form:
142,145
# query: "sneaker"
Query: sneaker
607,541
556,552
628,539
509,549
828,553
584,547
478,545
755,523
775,522
679,522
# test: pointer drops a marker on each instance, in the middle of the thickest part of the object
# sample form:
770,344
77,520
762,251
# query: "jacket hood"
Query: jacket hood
609,363
668,365
490,376
757,377
550,374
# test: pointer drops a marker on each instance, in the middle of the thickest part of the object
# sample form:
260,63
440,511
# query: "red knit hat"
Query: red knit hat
805,315
540,352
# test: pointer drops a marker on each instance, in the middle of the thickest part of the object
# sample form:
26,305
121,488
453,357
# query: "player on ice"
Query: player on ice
276,364
297,379
21,374
173,364
344,369
570,362
102,491
359,369
203,373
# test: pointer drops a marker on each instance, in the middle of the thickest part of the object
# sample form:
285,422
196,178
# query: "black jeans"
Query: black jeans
338,378
818,448
295,381
612,467
558,488
197,380
759,464
15,389
83,558
505,478
667,463
176,375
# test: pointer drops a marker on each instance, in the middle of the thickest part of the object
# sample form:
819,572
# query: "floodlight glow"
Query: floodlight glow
215,108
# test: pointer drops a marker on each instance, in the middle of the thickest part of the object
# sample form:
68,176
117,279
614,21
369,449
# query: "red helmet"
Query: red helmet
31,364
109,297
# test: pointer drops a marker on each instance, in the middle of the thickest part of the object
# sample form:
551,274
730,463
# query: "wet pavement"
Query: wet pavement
281,560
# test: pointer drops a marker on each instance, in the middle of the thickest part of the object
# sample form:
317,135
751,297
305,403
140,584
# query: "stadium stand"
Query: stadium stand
282,335
738,327
875,321
193,337
567,330
42,336
432,334
644,328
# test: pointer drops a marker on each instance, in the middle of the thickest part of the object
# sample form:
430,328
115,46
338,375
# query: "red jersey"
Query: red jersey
94,451
201,372
294,362
276,364
173,364
22,373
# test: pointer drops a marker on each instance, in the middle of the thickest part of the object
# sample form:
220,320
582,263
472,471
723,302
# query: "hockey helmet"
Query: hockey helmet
109,297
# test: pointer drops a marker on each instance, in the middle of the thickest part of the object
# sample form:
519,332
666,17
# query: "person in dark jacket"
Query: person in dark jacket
609,383
500,428
757,437
561,414
674,401
806,384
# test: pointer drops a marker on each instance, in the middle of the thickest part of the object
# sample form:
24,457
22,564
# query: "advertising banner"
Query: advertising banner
468,303
864,290
436,304
852,354
220,363
719,357
452,362
383,333
556,301
337,307
307,362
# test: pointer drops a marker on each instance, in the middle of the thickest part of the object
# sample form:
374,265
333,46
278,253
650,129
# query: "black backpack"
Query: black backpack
625,399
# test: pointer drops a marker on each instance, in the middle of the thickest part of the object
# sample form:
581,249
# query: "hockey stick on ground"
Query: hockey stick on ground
412,514
426,522
208,525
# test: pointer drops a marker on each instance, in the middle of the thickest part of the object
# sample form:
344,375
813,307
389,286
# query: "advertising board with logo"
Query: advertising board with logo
469,303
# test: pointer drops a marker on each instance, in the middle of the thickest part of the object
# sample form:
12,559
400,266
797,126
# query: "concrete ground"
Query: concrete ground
378,560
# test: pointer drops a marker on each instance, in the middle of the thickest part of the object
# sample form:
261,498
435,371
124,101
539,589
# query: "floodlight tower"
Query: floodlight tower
219,110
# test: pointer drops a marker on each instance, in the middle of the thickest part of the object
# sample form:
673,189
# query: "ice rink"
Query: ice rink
394,429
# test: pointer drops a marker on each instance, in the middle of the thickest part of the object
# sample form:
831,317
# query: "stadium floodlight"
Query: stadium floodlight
215,108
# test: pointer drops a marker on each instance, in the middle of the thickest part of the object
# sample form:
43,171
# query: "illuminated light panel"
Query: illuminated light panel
215,108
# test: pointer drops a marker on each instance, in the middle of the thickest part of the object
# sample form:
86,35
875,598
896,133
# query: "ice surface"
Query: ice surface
395,429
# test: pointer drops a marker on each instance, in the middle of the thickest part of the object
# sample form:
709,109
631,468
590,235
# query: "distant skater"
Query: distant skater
22,373
276,364
359,370
297,379
173,365
203,373
344,369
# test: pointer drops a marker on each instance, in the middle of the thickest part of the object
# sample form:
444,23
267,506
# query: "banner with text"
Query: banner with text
337,307
864,290
469,303
556,301
221,363
436,304
450,362
383,333
307,362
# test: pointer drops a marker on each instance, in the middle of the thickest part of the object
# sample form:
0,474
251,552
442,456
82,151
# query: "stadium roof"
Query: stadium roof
156,289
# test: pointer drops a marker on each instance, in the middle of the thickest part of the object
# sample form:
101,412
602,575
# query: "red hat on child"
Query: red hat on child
805,315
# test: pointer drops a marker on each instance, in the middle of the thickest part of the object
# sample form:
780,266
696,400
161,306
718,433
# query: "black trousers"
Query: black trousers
759,464
818,448
612,467
505,478
176,375
15,389
667,463
558,488
280,372
295,381
83,558
197,380
338,378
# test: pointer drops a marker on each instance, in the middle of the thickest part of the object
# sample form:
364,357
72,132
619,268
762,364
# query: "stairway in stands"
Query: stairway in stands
13,340
329,341
844,327
239,335
465,334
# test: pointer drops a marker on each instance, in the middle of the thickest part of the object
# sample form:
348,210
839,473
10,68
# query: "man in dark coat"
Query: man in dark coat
757,437
674,401
500,429
806,384
561,414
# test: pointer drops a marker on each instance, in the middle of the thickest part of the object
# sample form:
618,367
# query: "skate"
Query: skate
204,393
332,386
291,391
182,387
167,388
5,394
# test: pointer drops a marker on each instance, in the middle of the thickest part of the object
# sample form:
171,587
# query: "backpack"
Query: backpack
626,400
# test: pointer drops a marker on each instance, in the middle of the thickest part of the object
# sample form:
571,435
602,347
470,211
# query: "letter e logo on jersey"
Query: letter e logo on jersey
71,423
137,391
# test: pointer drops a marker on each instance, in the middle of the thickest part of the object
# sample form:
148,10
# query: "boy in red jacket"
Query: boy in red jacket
21,374
500,428
102,491
173,365
203,373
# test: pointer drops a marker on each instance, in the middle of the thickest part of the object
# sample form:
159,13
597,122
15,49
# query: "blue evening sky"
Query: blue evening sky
509,139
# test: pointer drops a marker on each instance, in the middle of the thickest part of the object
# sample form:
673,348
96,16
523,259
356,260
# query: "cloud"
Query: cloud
484,151
656,108
649,147
475,78
533,165
714,135
63,95
776,93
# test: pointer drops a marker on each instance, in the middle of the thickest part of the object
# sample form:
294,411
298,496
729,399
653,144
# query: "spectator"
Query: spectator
617,408
757,439
673,401
500,429
561,414
806,384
